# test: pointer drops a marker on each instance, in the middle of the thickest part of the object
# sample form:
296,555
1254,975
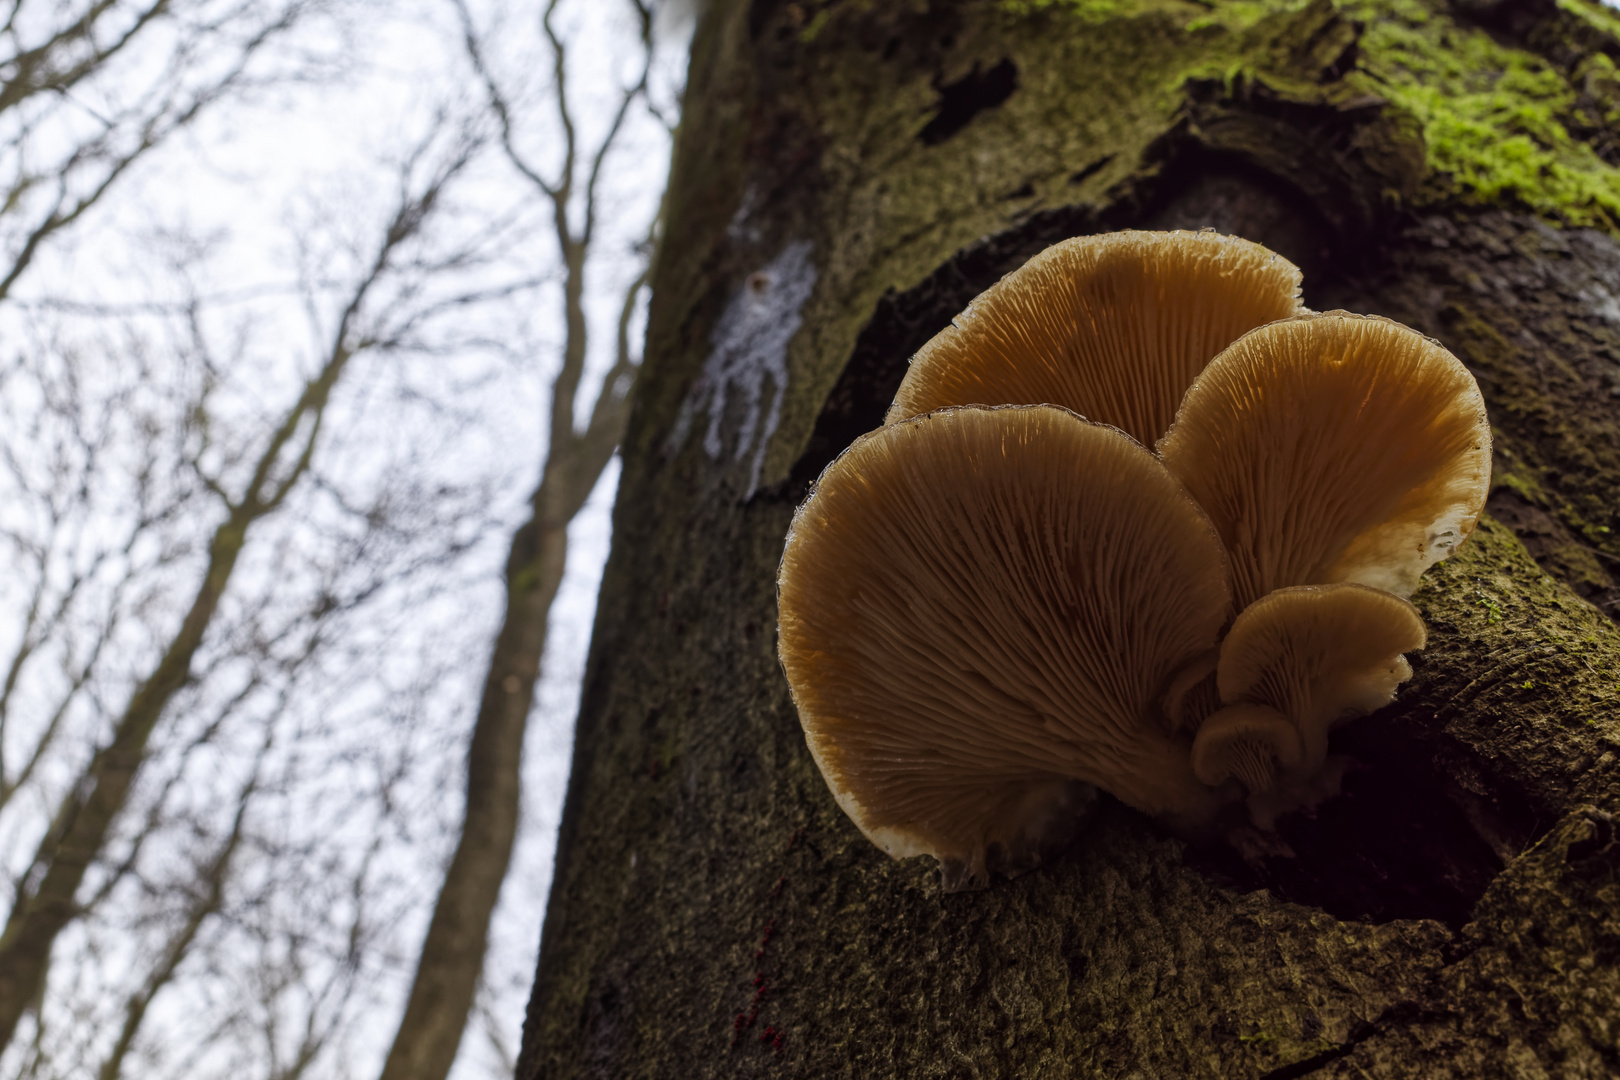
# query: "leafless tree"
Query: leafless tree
229,687
88,88
380,314
452,956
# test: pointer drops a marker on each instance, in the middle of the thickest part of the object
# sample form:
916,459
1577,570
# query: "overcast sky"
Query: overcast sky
257,212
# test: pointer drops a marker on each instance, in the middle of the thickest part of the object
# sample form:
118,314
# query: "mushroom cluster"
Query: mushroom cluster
1003,600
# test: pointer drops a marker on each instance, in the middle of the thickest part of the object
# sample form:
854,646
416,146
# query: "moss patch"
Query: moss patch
1085,9
1596,16
1535,659
1494,118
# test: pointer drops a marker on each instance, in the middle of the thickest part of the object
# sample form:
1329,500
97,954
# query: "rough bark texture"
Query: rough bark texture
1453,914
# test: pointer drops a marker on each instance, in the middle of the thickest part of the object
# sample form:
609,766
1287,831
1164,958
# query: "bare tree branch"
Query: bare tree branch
63,62
215,542
46,903
452,954
212,877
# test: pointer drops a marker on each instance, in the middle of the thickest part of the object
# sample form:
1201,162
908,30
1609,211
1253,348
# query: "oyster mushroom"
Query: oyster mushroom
1113,327
991,609
981,607
1249,743
1312,656
1331,448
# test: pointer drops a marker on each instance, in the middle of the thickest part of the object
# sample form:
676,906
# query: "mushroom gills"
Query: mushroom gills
1317,655
1333,447
1249,743
979,606
1114,327
1192,694
997,604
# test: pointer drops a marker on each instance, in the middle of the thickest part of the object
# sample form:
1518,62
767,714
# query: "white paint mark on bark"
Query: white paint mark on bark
743,231
748,348
1604,303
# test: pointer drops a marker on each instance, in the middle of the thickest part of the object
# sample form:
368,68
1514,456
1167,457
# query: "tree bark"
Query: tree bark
847,177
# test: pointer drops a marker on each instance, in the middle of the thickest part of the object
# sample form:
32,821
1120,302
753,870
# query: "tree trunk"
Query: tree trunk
848,176
447,972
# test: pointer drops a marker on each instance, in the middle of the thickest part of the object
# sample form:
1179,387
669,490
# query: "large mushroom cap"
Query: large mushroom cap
1319,654
1113,327
1334,447
979,605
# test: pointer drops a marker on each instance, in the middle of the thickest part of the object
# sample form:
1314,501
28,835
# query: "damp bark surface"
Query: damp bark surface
848,176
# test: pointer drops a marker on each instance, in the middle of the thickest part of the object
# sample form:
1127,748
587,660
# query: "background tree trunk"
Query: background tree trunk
848,176
451,962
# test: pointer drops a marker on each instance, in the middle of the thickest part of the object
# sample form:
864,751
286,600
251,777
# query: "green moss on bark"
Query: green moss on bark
1494,117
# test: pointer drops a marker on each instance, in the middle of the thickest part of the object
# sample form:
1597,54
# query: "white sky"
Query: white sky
302,175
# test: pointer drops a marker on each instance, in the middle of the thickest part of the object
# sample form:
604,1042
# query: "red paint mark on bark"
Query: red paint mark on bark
743,1021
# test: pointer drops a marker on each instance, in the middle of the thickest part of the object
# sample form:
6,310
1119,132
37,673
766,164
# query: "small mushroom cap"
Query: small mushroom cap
1246,742
1191,694
979,605
1331,448
1318,654
1113,327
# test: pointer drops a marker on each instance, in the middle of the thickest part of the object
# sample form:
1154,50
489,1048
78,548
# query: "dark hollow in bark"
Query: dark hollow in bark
962,100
